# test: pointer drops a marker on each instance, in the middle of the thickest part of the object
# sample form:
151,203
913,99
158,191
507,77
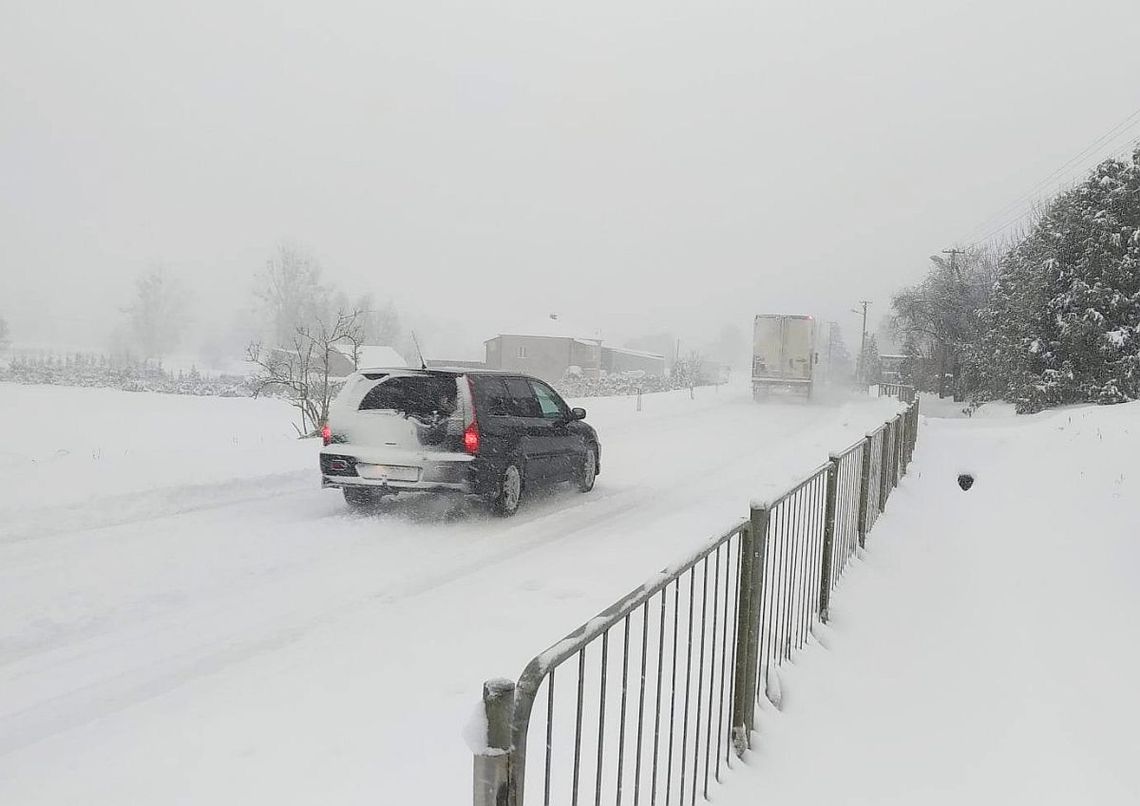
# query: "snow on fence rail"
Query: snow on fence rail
654,698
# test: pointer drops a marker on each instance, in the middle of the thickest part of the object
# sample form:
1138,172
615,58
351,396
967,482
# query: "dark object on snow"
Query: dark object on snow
965,481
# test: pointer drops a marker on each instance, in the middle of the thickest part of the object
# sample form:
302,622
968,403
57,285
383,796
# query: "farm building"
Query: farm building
620,359
546,350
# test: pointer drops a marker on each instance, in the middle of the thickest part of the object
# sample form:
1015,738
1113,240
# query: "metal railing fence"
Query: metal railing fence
652,699
904,392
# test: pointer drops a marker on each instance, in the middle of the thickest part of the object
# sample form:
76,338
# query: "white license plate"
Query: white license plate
388,472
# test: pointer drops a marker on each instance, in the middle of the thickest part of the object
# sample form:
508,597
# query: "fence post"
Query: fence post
900,438
492,762
905,442
828,539
917,415
864,491
917,411
753,541
884,466
911,432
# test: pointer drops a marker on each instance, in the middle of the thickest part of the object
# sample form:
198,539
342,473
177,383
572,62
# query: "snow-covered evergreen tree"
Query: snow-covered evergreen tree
871,366
1063,325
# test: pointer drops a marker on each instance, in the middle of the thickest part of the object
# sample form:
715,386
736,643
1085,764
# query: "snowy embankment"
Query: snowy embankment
190,619
984,649
75,456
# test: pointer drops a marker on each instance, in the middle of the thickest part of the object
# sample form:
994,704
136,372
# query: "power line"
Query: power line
1123,128
1026,214
1120,128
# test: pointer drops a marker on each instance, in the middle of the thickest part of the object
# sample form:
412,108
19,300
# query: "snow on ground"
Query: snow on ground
946,407
239,637
984,649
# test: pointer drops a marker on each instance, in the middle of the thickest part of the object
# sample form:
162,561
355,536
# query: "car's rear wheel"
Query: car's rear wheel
360,497
588,472
509,490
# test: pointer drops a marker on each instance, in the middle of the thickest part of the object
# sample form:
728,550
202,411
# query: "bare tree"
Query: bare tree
157,316
291,293
301,368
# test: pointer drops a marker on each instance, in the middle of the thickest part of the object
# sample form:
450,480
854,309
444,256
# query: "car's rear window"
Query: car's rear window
419,395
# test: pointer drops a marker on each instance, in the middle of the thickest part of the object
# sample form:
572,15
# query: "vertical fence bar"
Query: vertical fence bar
758,526
896,453
602,720
657,710
578,725
742,719
912,415
828,539
896,429
909,433
492,763
903,449
884,466
748,628
906,442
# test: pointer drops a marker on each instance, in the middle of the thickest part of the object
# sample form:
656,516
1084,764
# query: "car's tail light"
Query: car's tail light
471,438
326,434
466,401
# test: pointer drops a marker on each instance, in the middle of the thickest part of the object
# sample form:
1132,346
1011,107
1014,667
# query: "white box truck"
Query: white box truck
783,354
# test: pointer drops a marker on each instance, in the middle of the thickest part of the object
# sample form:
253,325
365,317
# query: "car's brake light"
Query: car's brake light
471,438
326,434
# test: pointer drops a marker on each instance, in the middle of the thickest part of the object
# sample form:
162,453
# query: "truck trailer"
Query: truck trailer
783,354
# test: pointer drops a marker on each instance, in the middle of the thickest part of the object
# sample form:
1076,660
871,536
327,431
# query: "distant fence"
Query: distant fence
654,698
903,392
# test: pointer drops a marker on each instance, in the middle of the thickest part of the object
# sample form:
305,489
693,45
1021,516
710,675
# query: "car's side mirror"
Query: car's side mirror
577,414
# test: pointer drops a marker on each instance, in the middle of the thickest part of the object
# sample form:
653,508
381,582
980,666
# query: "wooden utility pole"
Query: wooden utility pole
953,253
862,369
830,342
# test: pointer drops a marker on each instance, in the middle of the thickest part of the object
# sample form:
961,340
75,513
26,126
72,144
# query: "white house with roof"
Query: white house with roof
368,356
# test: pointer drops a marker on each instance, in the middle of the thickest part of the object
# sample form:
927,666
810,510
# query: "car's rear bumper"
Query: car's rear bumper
342,466
464,488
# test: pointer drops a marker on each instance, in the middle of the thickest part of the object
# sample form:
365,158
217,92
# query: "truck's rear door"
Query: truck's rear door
799,347
767,347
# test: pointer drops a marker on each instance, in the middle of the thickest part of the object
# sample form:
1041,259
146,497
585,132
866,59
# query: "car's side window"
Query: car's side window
523,403
548,401
494,399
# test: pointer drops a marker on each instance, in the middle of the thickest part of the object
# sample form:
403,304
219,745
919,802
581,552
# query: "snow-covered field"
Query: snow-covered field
984,648
185,617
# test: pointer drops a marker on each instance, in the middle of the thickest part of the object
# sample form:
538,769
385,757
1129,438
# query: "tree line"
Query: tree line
297,324
1052,318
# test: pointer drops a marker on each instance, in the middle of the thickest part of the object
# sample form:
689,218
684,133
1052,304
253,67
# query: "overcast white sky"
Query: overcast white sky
637,165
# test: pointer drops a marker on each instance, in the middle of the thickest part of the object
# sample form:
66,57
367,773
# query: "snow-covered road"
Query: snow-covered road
186,618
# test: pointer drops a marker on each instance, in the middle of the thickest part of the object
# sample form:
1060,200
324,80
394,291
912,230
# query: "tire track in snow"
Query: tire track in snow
175,668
